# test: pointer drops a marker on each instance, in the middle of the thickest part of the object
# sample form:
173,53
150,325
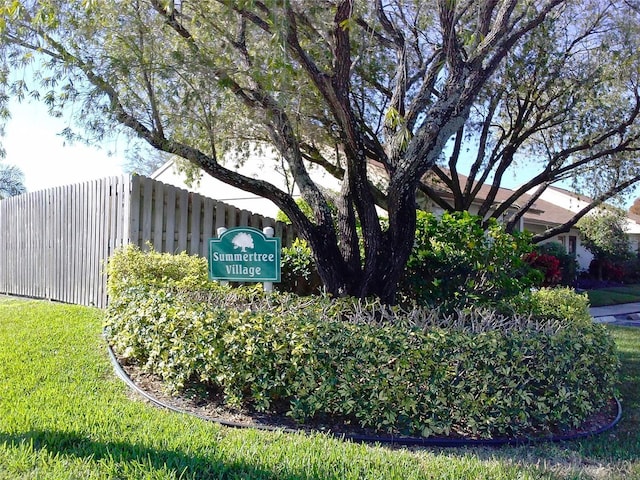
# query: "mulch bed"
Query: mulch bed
213,408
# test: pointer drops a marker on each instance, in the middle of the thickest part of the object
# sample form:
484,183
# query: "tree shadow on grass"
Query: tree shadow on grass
184,466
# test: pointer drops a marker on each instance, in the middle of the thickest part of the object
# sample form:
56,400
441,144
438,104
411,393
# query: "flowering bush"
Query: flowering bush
568,263
548,265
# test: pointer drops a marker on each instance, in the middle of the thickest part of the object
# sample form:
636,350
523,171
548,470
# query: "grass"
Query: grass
64,415
614,295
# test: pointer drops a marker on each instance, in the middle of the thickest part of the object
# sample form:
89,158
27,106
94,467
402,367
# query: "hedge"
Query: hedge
472,373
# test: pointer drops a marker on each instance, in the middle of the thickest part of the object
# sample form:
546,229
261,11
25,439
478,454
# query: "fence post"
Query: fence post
268,232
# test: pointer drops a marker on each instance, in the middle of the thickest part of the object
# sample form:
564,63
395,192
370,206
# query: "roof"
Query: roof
541,212
633,219
547,213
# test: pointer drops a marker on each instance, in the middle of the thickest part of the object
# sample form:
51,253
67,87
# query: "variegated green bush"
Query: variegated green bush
388,369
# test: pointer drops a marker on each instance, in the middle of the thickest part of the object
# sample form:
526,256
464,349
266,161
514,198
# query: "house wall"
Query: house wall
583,256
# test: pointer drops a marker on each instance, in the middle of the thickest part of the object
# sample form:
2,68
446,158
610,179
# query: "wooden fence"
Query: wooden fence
54,243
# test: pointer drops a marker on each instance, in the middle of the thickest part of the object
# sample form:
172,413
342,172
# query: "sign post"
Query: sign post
245,254
268,232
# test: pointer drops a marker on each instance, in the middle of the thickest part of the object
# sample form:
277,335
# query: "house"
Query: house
561,203
555,207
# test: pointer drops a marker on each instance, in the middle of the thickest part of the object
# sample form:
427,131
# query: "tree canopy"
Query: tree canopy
11,181
374,92
556,107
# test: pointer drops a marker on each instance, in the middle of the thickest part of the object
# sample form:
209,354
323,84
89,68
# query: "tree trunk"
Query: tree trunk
341,277
399,238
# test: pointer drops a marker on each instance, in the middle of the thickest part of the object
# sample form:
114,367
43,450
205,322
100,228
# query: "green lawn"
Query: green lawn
614,295
64,415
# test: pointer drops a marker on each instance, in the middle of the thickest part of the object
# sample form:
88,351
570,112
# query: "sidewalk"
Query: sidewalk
626,314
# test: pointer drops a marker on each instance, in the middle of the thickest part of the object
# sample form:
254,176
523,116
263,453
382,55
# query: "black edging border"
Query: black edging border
394,440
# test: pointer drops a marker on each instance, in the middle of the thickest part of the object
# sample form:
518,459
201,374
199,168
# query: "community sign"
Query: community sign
244,255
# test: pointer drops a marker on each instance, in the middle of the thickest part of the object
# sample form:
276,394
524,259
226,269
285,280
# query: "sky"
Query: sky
32,142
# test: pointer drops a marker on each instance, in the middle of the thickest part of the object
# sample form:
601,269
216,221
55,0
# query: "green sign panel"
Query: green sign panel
244,255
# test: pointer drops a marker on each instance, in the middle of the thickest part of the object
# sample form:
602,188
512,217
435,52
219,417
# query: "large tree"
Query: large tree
11,181
347,85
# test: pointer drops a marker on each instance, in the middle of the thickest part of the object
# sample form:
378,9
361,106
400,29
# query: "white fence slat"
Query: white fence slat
146,213
183,219
53,240
82,240
4,240
195,223
134,207
158,216
124,202
33,247
170,229
27,282
77,251
56,226
22,248
94,259
208,220
245,217
103,239
62,207
220,219
69,247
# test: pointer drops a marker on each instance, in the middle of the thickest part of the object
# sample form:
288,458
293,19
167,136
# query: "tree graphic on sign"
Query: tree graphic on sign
242,241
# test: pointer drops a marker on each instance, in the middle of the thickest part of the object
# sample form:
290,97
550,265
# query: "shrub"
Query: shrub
298,272
457,262
603,233
606,270
561,303
410,371
547,264
568,262
631,270
130,266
